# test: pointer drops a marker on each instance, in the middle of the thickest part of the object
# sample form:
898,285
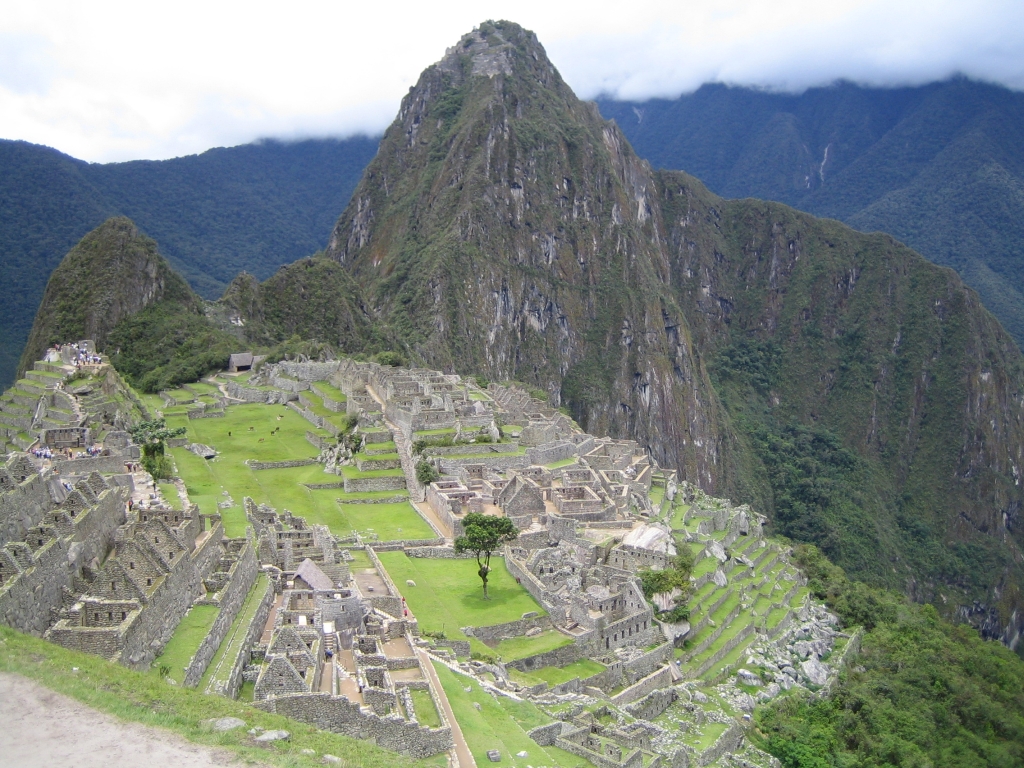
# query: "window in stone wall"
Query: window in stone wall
149,582
124,615
131,565
113,586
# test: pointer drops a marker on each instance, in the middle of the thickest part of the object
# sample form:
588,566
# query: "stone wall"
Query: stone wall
727,742
438,553
653,704
653,682
495,633
282,464
29,600
229,685
232,596
551,452
559,657
338,714
309,371
146,637
23,507
362,484
105,465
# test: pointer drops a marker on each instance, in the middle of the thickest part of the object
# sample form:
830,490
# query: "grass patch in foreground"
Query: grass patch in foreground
500,724
143,698
186,640
448,593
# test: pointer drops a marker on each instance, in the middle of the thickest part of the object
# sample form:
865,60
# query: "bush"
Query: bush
390,358
427,473
160,467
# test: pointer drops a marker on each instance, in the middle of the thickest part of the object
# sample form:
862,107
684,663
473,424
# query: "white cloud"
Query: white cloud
111,80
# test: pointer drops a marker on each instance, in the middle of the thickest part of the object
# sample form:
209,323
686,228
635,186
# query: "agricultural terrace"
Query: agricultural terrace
272,433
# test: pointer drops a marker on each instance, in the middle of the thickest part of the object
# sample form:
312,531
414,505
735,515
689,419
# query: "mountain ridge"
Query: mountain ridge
939,166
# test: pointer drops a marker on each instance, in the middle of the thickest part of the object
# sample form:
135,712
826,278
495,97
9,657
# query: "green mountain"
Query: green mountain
254,207
115,288
857,393
939,166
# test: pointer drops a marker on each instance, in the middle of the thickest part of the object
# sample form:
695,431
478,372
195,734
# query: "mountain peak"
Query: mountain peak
490,50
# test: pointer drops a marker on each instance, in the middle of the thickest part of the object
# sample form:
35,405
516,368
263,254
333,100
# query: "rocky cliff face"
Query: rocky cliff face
859,394
114,272
504,228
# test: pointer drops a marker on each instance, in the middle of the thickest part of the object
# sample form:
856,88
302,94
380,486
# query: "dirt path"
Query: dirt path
462,753
43,729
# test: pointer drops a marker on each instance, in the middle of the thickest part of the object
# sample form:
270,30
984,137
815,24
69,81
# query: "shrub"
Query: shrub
426,473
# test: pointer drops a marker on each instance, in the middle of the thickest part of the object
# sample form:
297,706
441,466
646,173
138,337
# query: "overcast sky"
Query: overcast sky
109,80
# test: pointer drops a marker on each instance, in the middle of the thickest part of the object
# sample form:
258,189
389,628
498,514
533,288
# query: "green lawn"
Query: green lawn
582,669
521,647
143,698
185,641
448,594
170,493
330,391
426,712
500,723
562,463
282,488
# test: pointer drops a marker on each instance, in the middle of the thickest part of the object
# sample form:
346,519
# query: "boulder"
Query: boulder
746,677
227,724
816,672
273,736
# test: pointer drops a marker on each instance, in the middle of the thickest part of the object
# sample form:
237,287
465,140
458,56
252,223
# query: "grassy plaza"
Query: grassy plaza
271,433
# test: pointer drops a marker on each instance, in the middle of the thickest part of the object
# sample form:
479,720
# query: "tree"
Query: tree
483,535
150,437
427,473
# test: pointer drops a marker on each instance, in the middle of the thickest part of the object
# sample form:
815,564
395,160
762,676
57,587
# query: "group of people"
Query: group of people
45,452
80,356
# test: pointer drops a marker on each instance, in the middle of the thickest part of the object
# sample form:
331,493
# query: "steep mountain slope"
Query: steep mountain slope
253,207
115,288
939,166
313,298
856,392
505,228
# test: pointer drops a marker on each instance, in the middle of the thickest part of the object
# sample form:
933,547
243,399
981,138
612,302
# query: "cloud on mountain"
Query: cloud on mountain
116,80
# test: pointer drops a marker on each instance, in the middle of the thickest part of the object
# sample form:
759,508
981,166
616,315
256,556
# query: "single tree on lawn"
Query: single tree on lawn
484,534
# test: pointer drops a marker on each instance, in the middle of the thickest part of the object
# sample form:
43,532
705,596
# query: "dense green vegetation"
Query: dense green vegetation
253,207
922,692
940,166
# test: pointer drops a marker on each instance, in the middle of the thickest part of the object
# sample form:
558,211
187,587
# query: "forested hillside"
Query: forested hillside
254,207
940,166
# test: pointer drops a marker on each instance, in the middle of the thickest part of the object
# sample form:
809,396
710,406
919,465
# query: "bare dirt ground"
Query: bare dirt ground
44,729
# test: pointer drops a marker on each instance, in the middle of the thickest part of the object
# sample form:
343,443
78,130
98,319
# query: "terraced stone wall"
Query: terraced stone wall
337,714
232,597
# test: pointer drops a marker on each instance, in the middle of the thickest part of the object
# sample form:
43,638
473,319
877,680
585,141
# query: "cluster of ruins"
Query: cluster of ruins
335,645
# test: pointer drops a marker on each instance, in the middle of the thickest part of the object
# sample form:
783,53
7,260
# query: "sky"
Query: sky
111,81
